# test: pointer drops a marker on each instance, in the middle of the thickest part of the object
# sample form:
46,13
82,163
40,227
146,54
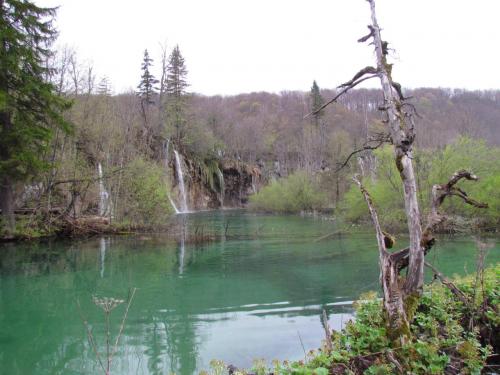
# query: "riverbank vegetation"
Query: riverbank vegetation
449,335
296,193
432,166
112,155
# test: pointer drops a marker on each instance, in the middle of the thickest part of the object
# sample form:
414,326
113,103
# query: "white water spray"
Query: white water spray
173,205
180,178
103,194
222,188
167,143
254,188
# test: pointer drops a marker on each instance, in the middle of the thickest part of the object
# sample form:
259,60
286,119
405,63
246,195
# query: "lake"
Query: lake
258,293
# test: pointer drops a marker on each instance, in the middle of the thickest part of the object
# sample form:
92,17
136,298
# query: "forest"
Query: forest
258,211
249,142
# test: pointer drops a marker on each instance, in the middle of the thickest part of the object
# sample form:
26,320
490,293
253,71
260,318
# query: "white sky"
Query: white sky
235,46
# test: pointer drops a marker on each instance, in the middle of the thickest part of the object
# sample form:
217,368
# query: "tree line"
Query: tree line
60,122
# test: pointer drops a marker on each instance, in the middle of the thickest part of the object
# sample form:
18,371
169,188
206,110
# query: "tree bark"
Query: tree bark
6,182
7,206
402,138
400,294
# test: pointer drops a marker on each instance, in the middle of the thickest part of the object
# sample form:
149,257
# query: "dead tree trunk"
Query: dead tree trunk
401,294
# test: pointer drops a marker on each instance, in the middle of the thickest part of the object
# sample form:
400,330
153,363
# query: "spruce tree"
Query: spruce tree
30,109
176,76
317,102
176,85
147,87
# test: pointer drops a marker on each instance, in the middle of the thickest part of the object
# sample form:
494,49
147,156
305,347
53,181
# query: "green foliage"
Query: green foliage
145,194
383,369
317,102
30,109
386,192
176,85
147,88
434,167
298,192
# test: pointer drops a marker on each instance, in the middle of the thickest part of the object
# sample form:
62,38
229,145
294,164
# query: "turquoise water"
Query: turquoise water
259,293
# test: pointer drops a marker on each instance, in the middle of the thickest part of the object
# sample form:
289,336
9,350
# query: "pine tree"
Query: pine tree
176,85
147,87
317,102
30,110
104,88
176,77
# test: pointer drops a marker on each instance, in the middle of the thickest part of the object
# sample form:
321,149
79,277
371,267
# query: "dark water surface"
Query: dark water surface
258,294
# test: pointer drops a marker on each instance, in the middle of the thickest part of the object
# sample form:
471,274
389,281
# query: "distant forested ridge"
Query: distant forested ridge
127,153
272,126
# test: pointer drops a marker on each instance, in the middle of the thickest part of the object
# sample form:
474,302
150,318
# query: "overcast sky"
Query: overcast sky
236,46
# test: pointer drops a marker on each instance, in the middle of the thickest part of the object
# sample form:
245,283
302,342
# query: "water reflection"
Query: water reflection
102,249
258,293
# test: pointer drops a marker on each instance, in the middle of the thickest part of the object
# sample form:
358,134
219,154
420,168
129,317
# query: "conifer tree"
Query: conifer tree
317,102
104,88
30,109
147,87
176,85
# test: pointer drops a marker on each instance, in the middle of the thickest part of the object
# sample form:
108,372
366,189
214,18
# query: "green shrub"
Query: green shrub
431,168
144,198
298,192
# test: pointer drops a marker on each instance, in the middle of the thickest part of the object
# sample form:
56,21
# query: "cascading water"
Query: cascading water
166,167
254,189
222,187
173,205
180,178
103,194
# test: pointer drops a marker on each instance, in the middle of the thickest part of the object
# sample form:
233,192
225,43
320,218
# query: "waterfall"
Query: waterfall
173,205
180,178
254,188
221,186
168,187
103,194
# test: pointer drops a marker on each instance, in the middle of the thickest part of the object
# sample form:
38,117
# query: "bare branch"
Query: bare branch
354,84
439,193
374,215
328,332
457,292
90,336
358,75
89,179
457,176
368,36
122,325
364,148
